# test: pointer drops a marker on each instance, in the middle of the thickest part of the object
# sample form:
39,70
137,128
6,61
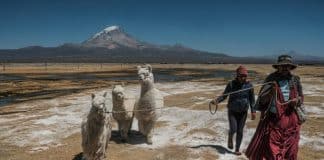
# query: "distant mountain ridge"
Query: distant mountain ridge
298,56
114,45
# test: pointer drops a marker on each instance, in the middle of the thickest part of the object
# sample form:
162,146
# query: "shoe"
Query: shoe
238,153
230,142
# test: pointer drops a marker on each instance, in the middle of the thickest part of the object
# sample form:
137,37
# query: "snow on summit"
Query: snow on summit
111,28
106,30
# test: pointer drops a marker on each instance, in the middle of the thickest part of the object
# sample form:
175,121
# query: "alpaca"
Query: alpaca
150,99
122,103
96,130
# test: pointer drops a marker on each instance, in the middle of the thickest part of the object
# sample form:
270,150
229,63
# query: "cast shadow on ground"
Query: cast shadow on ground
134,137
78,156
220,149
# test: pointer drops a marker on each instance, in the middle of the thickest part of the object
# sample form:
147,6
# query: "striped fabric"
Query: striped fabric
284,87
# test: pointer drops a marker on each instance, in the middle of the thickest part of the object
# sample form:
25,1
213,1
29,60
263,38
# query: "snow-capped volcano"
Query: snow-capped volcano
112,44
114,37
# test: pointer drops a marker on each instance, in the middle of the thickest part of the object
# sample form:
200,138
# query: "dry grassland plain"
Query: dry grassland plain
42,105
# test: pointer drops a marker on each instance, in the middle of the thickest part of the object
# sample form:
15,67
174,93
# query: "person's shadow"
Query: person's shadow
220,149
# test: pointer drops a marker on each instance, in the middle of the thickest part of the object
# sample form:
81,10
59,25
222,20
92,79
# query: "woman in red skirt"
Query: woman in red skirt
277,134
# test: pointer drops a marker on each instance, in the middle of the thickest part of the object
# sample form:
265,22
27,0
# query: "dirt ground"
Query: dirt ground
196,141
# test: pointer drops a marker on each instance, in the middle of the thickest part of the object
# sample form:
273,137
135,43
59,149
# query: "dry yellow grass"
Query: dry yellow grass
161,124
308,153
93,67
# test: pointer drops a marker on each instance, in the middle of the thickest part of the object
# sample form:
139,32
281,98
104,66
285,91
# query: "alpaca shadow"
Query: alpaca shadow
78,156
134,137
220,149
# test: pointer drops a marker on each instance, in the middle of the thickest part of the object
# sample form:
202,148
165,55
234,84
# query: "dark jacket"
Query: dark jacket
241,101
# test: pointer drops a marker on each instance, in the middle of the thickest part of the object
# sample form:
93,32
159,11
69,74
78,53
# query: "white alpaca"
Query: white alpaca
121,103
96,130
149,100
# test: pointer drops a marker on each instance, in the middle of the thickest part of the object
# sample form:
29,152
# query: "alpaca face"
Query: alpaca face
118,93
145,74
98,104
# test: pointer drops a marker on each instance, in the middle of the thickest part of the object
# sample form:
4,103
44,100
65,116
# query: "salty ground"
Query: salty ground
46,125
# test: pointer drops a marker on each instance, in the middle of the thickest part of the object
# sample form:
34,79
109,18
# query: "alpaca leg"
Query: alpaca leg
85,142
108,136
106,147
149,131
124,130
120,128
104,151
119,125
100,155
141,126
127,127
101,147
144,125
130,125
107,140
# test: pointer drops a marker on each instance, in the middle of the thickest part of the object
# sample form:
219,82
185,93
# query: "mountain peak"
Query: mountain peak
113,37
106,31
111,28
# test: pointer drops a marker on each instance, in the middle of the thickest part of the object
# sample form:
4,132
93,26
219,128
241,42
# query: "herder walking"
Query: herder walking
280,103
238,105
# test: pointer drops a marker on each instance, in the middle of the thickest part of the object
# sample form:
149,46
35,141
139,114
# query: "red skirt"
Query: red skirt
276,138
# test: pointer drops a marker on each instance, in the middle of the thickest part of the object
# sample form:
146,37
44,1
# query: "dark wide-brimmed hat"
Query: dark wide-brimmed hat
284,60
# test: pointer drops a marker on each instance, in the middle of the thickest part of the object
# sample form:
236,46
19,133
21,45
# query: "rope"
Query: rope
210,105
287,102
277,101
210,108
241,90
138,110
212,111
237,91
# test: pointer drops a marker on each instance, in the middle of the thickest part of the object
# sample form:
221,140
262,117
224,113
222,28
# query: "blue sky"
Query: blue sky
238,28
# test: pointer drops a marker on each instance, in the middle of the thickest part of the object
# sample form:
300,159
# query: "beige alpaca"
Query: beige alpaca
149,100
96,130
122,104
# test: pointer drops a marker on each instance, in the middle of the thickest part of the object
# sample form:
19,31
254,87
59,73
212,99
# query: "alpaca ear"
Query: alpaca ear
93,95
139,67
122,84
105,94
149,67
114,86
